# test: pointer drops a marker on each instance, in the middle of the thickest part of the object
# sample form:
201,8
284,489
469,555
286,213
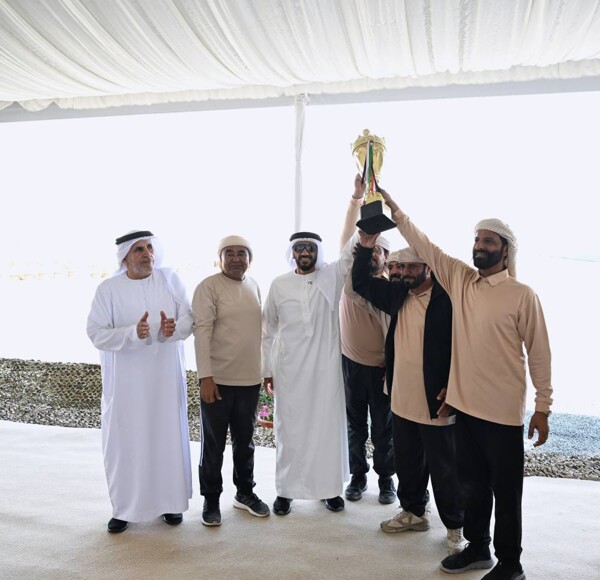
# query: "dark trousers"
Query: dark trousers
490,466
422,451
236,411
364,394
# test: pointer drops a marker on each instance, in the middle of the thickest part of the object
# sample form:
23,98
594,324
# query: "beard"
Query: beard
485,259
395,278
306,264
376,268
414,282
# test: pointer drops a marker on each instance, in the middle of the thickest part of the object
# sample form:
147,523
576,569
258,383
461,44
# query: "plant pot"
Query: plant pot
264,423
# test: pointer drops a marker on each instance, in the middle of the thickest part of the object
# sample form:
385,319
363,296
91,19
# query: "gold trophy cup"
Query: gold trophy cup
368,150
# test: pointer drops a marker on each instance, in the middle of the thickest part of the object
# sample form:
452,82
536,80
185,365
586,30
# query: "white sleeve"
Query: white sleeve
270,324
184,319
101,330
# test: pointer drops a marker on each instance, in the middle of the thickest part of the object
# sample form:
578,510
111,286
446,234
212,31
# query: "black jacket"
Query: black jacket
389,297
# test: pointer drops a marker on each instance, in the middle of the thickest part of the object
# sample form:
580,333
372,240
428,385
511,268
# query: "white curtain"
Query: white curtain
84,54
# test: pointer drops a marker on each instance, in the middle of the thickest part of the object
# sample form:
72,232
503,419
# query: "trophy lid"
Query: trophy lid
362,140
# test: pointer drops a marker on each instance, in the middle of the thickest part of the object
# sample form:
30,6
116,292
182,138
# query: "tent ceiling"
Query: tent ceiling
94,54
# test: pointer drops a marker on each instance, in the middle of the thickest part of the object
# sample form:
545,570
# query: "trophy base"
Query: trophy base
373,220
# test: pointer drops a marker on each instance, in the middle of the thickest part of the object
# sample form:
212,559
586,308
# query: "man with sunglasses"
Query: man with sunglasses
302,366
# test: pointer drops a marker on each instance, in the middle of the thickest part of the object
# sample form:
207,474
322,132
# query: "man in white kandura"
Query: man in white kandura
302,362
139,319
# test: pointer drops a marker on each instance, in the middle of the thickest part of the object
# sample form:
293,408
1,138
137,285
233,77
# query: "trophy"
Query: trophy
368,151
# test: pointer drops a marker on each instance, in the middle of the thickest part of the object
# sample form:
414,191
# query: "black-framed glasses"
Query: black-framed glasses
308,246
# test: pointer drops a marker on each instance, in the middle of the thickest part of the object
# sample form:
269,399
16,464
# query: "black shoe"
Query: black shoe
506,570
469,559
387,490
173,519
251,503
282,506
116,526
357,485
211,512
335,504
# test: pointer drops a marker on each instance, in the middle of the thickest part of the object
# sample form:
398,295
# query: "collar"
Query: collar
424,293
495,279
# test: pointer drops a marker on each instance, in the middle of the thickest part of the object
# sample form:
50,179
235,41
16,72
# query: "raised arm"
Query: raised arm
377,291
443,266
353,212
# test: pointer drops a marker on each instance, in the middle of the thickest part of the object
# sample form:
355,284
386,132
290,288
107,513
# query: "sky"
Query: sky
70,187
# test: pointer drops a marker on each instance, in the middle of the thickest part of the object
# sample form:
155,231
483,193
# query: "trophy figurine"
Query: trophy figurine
368,150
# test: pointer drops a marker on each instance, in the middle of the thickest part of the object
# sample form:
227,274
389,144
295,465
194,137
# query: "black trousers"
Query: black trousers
422,451
490,466
364,394
237,411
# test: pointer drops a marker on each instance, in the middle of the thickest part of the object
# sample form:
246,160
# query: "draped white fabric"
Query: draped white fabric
85,54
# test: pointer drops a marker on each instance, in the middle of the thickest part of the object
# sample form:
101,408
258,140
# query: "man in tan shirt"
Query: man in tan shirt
494,316
417,351
362,331
227,331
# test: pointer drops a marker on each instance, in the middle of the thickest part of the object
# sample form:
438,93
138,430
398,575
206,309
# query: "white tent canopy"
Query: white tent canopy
94,54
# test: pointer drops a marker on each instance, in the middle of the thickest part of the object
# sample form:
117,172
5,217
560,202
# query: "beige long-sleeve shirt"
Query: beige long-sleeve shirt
493,317
362,332
227,330
362,326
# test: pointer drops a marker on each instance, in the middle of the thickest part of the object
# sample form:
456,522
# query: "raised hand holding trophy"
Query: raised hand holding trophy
368,150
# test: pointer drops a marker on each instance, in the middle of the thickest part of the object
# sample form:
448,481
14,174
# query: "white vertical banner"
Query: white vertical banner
301,102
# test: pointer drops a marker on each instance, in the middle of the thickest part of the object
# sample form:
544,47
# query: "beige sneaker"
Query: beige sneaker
456,541
406,521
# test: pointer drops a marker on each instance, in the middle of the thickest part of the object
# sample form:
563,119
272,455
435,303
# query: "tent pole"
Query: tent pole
300,104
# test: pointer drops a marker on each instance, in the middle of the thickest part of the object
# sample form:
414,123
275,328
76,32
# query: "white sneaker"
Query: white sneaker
456,541
406,521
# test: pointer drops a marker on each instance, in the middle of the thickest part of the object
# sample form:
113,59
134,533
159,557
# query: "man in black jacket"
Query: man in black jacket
417,349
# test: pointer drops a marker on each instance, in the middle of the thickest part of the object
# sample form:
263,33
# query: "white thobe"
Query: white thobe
145,437
302,352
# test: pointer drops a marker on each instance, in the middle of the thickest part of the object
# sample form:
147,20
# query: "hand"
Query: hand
367,240
539,421
269,386
143,328
209,392
445,410
388,200
167,325
359,187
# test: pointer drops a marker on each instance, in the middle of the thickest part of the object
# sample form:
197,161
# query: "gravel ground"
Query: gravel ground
68,395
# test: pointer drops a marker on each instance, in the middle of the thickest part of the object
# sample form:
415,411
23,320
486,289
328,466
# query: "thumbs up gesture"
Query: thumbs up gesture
167,325
143,328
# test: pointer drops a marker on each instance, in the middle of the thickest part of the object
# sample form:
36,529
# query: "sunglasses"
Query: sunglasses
308,246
